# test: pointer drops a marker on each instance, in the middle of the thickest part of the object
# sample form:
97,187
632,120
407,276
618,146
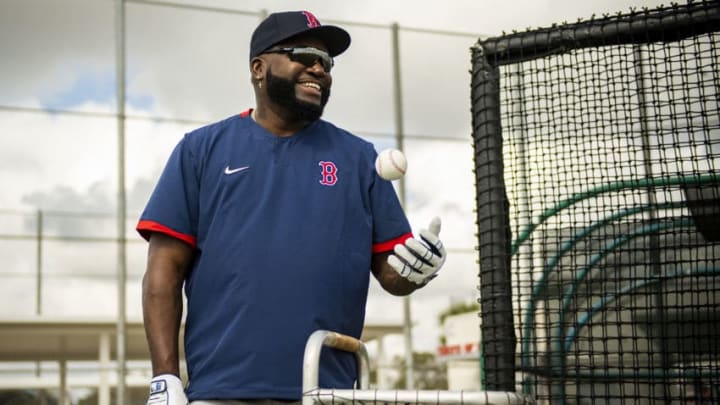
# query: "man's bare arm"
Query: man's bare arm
169,261
389,279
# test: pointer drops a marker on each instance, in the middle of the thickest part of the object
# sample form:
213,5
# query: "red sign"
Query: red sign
457,350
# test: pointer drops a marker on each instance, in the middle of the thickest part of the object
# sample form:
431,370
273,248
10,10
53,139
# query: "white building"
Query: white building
462,351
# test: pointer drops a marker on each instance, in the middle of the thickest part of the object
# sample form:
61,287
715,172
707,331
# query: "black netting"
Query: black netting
602,139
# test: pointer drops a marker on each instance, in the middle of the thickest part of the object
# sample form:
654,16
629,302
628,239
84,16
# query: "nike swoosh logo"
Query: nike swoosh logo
228,170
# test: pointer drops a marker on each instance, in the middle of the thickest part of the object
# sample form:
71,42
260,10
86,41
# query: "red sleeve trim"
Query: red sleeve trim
389,245
146,228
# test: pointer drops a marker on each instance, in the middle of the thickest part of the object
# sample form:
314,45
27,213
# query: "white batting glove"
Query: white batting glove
166,389
420,260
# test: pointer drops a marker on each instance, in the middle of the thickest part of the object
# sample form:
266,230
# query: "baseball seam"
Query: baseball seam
395,164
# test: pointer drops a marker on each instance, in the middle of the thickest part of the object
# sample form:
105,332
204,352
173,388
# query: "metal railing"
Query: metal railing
314,394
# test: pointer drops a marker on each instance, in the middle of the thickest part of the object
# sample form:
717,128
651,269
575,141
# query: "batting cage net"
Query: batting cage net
597,157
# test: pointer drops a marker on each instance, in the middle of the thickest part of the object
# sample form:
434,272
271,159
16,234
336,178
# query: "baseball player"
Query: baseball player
272,220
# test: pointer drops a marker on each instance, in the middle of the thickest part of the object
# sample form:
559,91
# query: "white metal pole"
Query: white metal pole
121,198
400,140
63,382
104,361
38,263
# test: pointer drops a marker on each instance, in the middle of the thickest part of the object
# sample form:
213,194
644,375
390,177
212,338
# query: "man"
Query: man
271,220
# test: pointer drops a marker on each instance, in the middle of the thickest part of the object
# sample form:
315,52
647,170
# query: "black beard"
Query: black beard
282,92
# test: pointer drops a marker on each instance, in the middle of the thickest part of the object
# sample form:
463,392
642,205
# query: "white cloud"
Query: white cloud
44,43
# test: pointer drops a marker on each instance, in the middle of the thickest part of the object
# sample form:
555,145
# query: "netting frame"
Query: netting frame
499,342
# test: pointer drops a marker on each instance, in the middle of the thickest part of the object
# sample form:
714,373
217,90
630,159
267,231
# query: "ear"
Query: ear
257,69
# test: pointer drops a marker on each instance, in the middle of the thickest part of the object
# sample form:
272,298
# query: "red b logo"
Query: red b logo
329,173
312,21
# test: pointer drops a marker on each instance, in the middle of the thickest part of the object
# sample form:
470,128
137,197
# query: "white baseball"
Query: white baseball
391,164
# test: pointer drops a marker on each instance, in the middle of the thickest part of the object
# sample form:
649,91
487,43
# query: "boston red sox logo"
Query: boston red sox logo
329,173
312,21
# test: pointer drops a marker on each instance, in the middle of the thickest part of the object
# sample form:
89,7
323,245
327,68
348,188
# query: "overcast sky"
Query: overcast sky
489,17
192,65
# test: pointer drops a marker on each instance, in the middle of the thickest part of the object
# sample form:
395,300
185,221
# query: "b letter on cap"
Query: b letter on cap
312,21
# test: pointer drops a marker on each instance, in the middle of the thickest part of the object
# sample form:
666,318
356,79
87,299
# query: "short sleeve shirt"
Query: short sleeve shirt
284,230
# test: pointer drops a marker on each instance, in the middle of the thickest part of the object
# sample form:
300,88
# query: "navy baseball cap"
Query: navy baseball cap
278,27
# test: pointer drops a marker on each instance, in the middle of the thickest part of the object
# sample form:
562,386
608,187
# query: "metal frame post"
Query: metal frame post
121,198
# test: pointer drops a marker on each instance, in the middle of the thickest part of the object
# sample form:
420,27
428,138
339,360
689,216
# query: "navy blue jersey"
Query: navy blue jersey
285,228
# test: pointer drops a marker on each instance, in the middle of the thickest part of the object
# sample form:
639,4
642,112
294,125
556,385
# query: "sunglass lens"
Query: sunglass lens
309,59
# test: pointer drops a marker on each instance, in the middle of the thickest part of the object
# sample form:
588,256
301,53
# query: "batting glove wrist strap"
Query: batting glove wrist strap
420,260
166,389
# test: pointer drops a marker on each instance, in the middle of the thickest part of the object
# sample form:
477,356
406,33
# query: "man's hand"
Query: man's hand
166,389
419,261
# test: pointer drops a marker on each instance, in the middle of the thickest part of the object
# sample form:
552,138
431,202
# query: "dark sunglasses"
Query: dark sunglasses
308,56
